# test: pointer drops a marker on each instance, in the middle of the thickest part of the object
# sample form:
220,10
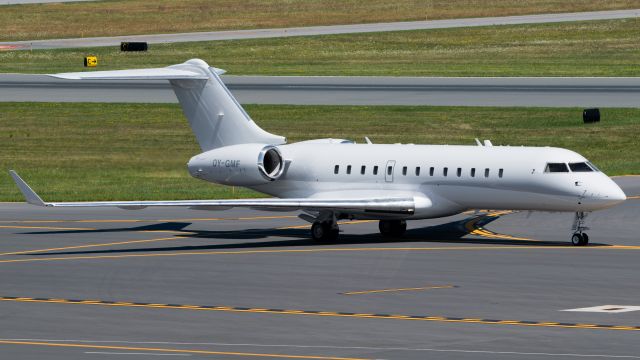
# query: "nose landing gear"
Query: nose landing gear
579,238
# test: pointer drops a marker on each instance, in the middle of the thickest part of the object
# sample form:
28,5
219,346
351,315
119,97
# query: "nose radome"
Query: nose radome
614,193
617,194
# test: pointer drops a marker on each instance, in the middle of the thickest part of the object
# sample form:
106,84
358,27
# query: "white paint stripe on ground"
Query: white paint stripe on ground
542,354
613,309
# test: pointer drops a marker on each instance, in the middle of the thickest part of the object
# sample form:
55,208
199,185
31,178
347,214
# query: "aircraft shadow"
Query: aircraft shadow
452,232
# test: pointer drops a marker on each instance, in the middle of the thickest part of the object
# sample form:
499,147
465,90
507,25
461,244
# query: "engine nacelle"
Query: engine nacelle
243,164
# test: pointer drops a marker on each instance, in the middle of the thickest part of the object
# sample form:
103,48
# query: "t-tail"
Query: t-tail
215,116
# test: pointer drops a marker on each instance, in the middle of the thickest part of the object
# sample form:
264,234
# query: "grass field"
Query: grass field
592,48
126,17
136,152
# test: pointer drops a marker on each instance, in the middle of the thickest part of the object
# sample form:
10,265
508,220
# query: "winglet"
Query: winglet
29,195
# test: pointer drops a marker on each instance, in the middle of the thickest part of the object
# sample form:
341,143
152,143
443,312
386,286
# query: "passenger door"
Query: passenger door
388,171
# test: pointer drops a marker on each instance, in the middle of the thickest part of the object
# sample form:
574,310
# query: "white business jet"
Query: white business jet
333,179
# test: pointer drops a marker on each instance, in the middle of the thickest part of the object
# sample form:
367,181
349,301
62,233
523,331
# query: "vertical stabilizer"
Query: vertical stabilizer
215,116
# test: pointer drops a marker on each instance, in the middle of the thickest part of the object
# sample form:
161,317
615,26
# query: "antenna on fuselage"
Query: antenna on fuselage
366,138
478,142
488,143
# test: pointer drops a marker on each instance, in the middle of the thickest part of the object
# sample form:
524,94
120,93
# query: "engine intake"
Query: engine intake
270,163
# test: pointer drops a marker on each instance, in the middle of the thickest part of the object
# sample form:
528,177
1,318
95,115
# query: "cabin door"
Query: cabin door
388,171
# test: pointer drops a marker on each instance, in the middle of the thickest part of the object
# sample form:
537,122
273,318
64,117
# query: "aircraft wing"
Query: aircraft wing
391,205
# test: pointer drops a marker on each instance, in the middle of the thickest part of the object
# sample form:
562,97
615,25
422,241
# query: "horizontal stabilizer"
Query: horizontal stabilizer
166,73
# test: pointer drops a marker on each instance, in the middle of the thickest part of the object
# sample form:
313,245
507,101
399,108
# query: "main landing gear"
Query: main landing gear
392,228
325,231
579,238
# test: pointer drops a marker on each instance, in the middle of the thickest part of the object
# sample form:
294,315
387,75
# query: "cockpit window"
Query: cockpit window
595,168
580,167
556,167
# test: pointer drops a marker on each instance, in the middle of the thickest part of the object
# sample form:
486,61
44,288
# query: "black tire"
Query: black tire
318,231
392,228
332,234
386,228
401,227
585,239
577,239
323,231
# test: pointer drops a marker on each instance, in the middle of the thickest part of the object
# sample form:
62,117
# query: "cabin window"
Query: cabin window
486,172
556,168
389,170
375,170
348,169
580,167
444,171
362,169
404,170
431,169
418,171
473,172
459,173
336,169
500,172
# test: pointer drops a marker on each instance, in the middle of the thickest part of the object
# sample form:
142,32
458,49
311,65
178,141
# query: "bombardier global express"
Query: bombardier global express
333,179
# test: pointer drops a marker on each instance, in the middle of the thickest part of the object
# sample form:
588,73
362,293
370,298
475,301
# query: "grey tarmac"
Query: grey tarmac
108,283
348,90
319,30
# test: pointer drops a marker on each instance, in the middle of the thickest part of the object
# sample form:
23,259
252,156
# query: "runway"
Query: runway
103,283
319,30
336,90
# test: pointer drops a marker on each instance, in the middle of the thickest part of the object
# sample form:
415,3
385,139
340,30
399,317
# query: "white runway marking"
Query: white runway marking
604,356
613,309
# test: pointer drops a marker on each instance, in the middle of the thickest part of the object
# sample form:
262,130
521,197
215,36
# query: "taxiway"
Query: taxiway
104,283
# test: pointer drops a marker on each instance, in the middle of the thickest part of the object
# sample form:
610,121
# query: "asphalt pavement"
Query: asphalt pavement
319,30
336,90
109,283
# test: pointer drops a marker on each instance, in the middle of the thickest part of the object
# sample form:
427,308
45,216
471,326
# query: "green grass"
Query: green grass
593,48
126,17
136,152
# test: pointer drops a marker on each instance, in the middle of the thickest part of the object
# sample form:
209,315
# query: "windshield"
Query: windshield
580,167
556,167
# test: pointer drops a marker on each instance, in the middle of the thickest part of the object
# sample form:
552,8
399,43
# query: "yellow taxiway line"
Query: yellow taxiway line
324,313
397,290
168,350
323,250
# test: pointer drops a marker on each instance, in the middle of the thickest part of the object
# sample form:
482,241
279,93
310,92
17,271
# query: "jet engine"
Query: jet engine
242,165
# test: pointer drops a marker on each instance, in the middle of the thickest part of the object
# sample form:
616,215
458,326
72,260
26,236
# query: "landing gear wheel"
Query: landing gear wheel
324,231
576,239
579,239
392,228
318,231
585,239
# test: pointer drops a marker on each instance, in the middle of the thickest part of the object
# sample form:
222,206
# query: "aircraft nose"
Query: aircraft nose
615,193
611,193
